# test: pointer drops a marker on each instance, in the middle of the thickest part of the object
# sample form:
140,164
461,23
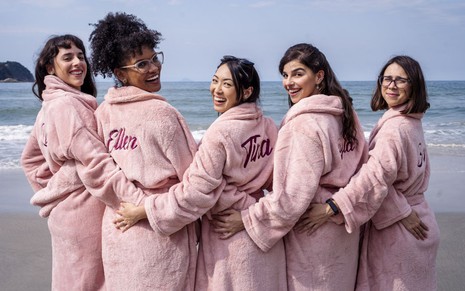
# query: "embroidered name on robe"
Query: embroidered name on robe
118,140
256,149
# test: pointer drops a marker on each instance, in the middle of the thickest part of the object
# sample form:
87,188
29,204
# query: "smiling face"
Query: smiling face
70,66
394,94
222,89
300,81
149,81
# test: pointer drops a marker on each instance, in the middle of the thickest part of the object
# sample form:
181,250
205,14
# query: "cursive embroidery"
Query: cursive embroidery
421,155
44,135
256,149
118,140
345,148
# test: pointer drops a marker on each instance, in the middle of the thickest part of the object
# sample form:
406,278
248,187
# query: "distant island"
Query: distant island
14,72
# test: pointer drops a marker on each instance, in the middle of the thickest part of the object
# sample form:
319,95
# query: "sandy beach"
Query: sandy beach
25,252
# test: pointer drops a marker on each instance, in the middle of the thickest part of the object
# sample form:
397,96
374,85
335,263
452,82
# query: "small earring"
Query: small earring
124,81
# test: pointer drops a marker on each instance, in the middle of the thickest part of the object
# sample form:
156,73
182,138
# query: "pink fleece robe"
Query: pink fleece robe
388,187
64,151
310,164
151,142
232,166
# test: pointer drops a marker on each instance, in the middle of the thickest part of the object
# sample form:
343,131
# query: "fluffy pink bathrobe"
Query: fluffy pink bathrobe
310,164
236,149
64,138
151,142
389,186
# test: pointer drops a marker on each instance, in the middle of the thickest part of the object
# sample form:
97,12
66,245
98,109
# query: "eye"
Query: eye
387,79
284,75
227,84
141,64
155,58
214,81
401,81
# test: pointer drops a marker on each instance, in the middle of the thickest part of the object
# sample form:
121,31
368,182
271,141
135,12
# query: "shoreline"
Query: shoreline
25,246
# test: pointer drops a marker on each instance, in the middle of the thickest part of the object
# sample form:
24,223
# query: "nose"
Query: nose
153,65
393,84
287,82
216,88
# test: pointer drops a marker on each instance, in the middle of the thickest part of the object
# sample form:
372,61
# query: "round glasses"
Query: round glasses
143,66
399,82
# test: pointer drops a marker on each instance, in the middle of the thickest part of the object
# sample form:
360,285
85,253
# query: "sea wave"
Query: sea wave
15,132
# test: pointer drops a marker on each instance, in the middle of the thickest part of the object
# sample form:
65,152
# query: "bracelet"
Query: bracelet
333,206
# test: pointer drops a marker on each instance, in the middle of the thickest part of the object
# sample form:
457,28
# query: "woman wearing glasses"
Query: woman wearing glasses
234,163
151,142
401,240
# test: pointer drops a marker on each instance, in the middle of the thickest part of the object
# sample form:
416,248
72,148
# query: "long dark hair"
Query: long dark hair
116,38
244,75
47,56
418,99
315,60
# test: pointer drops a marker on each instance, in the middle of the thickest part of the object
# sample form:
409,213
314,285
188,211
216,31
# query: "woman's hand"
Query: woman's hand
227,223
129,215
415,226
315,216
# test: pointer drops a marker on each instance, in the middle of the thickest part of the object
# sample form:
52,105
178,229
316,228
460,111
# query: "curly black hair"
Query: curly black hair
116,38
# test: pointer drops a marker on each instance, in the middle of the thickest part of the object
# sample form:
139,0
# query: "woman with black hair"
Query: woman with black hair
232,167
151,142
320,146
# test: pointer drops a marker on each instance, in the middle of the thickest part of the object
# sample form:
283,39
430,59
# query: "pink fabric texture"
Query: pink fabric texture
151,142
387,188
233,166
310,163
63,126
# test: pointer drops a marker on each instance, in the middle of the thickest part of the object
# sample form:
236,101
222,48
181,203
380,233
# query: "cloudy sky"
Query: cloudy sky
357,36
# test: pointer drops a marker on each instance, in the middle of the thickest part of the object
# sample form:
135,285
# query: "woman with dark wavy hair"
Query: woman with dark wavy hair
401,235
68,165
320,146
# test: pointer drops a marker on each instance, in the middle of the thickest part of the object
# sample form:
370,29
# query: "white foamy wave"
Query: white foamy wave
15,132
198,134
10,164
457,146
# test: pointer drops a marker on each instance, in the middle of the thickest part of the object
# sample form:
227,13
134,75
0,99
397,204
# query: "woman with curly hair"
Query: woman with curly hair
151,142
68,166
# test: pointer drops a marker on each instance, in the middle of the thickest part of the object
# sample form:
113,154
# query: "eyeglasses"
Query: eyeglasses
143,66
239,60
399,82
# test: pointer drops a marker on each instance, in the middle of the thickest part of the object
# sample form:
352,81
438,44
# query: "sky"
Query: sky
357,36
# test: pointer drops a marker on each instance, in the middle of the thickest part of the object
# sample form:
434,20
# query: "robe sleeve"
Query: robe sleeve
201,186
102,177
34,164
299,164
366,191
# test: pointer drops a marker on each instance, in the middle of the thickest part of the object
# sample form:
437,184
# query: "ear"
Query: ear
121,75
50,70
247,92
320,75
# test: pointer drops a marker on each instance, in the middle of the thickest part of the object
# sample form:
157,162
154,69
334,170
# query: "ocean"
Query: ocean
444,122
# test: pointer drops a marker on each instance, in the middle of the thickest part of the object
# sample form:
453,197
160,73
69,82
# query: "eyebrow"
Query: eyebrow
145,59
227,79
